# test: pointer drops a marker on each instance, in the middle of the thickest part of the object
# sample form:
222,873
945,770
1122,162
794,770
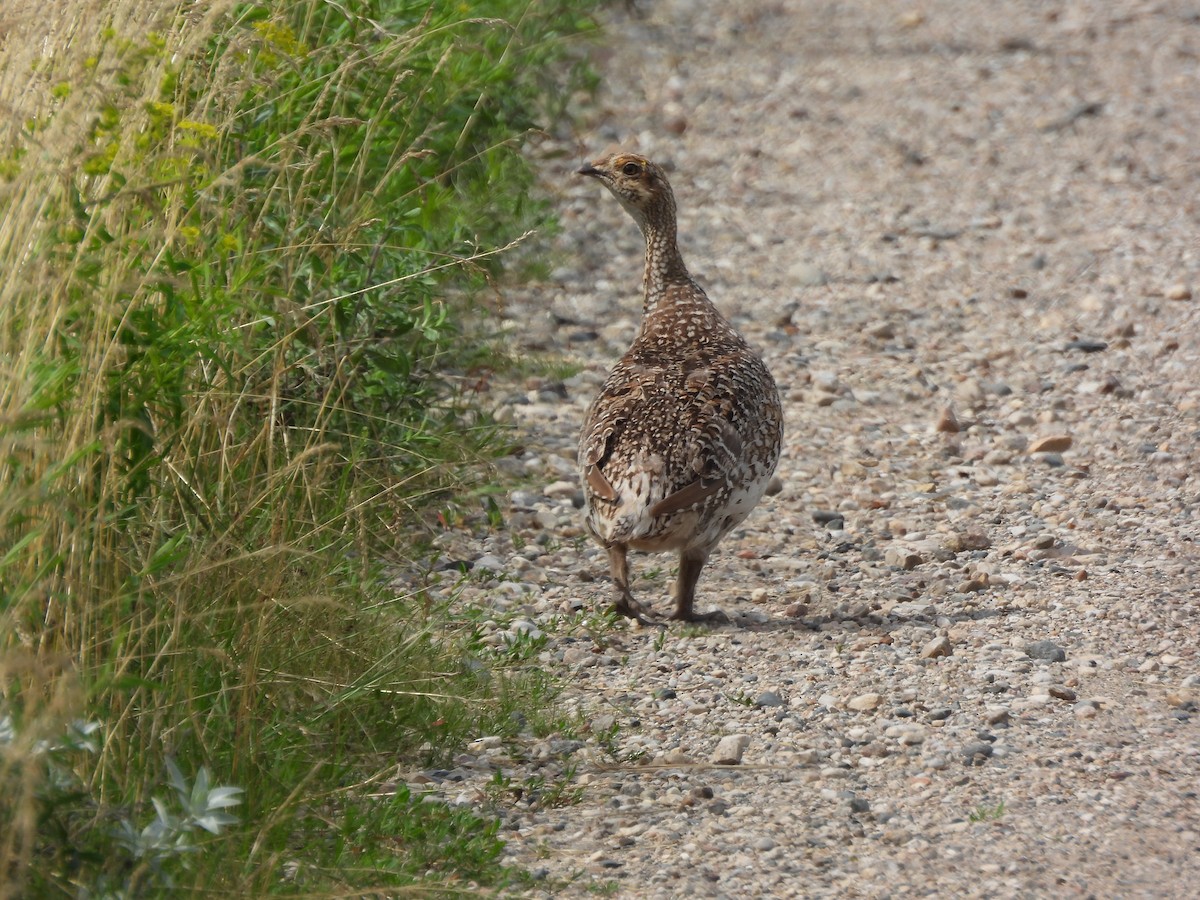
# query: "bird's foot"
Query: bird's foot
631,609
716,617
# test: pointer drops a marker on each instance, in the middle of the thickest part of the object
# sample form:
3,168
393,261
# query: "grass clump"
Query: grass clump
239,244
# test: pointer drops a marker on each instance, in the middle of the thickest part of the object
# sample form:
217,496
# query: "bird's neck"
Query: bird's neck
664,262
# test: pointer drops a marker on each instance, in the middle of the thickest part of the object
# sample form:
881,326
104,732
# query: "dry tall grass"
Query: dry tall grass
219,392
61,323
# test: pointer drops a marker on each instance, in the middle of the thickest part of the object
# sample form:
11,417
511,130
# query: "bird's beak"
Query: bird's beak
589,169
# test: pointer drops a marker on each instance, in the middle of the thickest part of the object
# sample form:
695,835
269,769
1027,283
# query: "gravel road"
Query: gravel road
964,236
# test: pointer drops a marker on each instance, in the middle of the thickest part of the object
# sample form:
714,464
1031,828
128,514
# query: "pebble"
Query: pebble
997,715
1085,709
1087,346
489,562
1045,650
913,610
947,421
1053,443
730,749
902,558
575,656
864,702
939,646
805,274
978,753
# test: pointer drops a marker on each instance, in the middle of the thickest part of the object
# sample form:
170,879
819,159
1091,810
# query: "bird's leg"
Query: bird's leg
691,562
625,603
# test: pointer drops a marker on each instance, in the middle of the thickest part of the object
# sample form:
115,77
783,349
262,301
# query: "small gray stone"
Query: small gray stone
903,558
864,702
490,562
576,656
1045,650
730,749
769,698
998,715
978,753
1085,709
804,273
939,646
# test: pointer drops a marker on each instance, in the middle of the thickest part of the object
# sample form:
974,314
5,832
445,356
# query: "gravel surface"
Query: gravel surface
965,237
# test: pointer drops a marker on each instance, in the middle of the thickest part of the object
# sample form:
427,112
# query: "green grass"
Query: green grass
238,349
987,812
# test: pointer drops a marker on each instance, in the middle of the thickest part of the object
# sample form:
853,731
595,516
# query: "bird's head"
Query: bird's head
639,184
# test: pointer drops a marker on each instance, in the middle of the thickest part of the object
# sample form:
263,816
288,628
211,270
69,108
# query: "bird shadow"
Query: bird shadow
834,624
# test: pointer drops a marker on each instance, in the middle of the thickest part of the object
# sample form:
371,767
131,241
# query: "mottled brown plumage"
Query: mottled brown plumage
680,443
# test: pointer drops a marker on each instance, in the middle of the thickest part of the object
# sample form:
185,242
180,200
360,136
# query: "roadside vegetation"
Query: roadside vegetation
241,251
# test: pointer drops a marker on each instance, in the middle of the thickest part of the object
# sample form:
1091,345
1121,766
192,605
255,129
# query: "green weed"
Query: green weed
987,813
536,790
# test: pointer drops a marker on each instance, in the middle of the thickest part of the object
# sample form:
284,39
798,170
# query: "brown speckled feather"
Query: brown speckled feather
680,443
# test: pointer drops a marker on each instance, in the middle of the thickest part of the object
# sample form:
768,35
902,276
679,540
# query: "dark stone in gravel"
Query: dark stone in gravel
977,754
830,518
1045,650
858,805
718,807
664,694
768,698
937,715
1087,346
702,792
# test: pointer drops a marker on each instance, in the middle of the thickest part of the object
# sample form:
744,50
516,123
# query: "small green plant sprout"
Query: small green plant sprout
558,792
522,643
604,888
985,813
495,516
741,698
606,739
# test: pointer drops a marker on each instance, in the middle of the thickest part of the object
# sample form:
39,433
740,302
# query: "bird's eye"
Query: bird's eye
631,168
